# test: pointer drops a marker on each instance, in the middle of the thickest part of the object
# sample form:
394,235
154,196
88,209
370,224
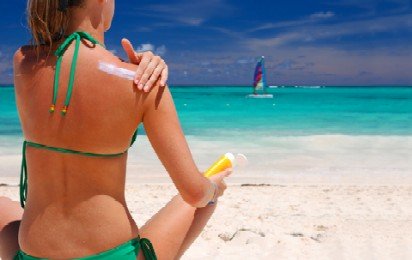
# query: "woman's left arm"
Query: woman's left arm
152,69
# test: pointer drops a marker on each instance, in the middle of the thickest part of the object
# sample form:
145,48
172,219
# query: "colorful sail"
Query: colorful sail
259,81
260,75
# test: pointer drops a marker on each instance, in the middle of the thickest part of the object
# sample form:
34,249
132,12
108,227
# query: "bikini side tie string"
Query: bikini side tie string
147,249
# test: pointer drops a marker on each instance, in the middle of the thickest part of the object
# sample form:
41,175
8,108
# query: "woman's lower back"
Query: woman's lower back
75,205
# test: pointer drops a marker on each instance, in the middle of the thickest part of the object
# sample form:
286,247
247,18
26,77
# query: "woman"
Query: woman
74,154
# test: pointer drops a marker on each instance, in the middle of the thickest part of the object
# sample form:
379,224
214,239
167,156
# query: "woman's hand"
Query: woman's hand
152,69
218,179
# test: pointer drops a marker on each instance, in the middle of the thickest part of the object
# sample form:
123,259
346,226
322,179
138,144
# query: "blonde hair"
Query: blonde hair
46,21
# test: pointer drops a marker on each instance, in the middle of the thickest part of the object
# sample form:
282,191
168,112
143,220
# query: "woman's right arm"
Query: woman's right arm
166,136
158,113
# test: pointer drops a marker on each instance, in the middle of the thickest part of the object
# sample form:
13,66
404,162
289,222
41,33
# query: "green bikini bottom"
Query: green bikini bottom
126,251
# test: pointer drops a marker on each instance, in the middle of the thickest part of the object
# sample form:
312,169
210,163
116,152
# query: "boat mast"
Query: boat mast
264,85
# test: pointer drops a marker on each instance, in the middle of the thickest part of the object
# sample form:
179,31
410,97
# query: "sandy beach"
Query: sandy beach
291,221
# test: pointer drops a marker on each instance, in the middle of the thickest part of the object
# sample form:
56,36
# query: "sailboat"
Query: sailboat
259,81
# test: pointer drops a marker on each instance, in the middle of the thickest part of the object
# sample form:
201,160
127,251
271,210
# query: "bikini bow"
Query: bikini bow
147,249
76,36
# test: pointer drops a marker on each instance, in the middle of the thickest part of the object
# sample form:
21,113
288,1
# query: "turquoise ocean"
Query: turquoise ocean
213,111
323,129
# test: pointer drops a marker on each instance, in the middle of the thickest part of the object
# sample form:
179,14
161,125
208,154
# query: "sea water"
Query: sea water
303,130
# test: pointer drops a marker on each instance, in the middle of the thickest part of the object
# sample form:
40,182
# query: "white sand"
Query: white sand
314,158
292,221
331,196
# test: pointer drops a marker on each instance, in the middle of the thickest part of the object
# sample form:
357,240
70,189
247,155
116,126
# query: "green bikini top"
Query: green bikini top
77,36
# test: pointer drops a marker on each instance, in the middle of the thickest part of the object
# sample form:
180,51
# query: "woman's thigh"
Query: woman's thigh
168,228
10,216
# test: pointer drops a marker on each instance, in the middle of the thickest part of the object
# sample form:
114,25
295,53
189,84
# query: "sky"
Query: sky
311,42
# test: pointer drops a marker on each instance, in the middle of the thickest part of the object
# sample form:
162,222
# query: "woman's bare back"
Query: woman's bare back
71,198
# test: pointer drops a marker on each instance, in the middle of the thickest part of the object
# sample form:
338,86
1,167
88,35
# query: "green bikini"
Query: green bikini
127,250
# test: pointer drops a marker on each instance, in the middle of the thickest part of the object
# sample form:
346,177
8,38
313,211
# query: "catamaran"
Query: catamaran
259,81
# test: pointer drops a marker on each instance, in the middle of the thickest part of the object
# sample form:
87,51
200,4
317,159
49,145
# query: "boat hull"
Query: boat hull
260,96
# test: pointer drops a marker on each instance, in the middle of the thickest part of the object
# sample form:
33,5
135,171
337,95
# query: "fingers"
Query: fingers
223,174
144,70
227,172
164,77
219,180
224,184
222,187
155,74
131,54
151,68
139,57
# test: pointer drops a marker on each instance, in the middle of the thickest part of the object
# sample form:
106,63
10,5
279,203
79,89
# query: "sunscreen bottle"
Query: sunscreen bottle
228,160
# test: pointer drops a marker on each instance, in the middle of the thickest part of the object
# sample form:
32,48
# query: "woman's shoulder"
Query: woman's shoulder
25,50
28,58
95,54
106,64
23,53
117,72
32,52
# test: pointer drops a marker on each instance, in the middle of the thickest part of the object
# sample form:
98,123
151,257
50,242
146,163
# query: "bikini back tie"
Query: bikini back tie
76,36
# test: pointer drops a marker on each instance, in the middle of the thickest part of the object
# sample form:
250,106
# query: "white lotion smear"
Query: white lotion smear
116,71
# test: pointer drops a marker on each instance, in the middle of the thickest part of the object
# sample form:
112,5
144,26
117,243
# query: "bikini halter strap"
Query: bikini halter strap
76,36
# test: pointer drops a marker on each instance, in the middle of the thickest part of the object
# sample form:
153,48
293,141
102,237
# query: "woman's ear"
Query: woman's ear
108,12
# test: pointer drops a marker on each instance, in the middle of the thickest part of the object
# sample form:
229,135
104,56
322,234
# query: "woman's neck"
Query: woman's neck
91,25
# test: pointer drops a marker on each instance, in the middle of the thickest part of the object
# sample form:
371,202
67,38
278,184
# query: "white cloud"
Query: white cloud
161,50
311,19
372,6
143,29
184,12
322,15
245,60
370,3
6,67
145,47
310,33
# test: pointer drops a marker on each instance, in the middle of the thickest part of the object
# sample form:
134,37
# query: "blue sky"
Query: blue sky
342,42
